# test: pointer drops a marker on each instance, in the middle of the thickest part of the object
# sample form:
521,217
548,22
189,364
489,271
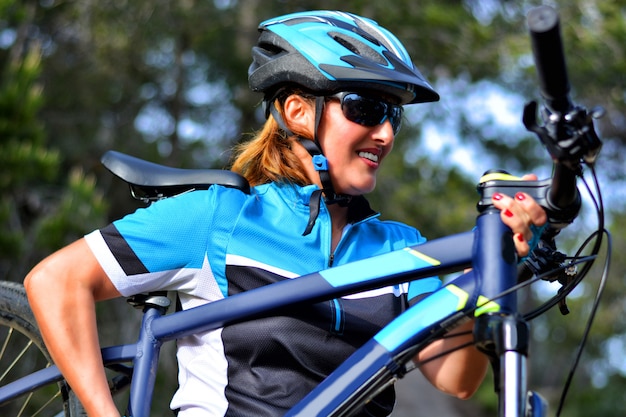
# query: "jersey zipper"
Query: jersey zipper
331,257
336,306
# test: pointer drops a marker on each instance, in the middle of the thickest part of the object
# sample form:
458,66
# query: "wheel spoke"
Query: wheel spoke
16,360
26,401
47,404
22,410
6,342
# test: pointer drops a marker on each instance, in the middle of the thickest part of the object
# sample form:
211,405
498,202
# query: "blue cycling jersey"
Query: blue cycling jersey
212,244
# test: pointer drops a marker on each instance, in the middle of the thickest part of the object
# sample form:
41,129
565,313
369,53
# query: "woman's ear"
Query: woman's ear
298,114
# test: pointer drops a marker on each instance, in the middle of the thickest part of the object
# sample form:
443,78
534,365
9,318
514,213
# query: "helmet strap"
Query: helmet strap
320,163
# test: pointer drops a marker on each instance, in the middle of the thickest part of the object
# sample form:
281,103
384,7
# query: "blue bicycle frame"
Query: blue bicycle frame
488,249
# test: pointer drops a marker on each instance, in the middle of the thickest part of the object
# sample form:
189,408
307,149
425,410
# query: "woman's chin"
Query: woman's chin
359,189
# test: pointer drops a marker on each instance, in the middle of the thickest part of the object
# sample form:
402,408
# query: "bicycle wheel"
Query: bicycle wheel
22,352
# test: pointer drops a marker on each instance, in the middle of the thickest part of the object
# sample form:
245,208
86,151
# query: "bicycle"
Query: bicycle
487,292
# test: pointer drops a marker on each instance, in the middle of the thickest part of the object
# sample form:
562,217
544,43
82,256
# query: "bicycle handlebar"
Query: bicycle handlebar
547,46
568,132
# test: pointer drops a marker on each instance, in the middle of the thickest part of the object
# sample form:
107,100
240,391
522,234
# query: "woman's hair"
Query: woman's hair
268,156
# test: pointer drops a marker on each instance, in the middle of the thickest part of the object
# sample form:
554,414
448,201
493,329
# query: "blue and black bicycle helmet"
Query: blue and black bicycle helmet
329,51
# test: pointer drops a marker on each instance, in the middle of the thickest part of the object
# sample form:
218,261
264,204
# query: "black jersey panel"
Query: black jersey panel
274,362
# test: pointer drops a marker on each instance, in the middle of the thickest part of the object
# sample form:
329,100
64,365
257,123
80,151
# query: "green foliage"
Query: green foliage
20,130
36,214
28,161
80,209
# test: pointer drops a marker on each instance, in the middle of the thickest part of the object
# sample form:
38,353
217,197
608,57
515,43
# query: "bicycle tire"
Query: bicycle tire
22,351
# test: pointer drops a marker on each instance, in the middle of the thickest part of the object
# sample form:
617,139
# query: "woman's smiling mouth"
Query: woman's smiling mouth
369,155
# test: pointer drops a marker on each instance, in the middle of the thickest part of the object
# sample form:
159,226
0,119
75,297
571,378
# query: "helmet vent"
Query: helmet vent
270,49
358,48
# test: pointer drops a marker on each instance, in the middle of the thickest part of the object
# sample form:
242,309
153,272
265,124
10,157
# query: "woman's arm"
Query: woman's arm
459,373
62,291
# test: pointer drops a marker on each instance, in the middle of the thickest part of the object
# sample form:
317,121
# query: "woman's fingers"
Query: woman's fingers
519,213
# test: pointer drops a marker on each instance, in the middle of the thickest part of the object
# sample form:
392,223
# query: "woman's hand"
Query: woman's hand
519,214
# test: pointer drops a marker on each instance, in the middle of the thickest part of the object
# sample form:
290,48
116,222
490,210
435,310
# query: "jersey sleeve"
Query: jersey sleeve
160,247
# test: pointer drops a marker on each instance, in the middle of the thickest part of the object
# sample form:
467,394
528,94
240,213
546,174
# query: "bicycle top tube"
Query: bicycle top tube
436,257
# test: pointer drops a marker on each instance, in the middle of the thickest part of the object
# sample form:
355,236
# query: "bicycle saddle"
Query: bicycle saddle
154,180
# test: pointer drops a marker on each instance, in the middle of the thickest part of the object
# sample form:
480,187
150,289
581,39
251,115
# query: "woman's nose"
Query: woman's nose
384,133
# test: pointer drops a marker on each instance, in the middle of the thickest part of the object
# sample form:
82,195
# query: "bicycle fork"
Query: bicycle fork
504,339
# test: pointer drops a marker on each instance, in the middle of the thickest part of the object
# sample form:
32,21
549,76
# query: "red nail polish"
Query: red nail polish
497,196
508,213
520,196
520,237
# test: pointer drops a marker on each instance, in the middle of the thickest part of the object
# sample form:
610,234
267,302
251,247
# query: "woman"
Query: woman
334,85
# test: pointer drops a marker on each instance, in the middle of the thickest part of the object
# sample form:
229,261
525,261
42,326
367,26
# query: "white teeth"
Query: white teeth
369,155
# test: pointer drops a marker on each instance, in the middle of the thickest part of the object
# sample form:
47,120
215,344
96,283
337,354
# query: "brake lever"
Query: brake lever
569,137
545,258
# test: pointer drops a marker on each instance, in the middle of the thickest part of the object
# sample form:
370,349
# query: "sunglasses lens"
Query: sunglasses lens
370,112
395,117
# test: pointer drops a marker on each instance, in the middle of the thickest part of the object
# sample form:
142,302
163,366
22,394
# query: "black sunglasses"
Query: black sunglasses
368,111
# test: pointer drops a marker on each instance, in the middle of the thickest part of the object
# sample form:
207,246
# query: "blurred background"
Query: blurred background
167,81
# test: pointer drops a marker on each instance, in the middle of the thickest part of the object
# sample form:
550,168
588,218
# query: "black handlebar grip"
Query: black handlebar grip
564,195
547,46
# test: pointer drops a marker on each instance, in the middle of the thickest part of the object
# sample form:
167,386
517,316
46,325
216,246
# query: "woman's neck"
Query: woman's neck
339,219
